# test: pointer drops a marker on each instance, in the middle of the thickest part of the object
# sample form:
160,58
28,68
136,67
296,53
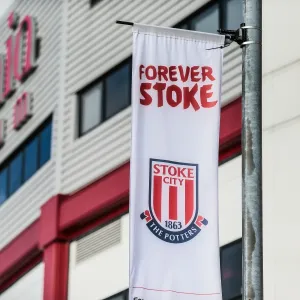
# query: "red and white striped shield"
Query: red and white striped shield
173,193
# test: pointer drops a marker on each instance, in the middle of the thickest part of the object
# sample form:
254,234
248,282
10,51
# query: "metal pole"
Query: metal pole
252,153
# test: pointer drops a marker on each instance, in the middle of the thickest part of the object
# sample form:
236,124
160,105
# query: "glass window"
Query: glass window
15,173
45,144
117,91
208,20
231,266
3,185
121,296
31,158
118,297
233,14
91,102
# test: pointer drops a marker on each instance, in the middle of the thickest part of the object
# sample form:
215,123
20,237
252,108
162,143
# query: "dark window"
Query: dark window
31,158
120,296
26,160
233,13
208,20
3,185
117,91
91,109
105,98
227,14
231,270
15,173
45,144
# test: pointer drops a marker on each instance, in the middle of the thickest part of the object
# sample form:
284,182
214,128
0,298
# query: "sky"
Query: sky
4,5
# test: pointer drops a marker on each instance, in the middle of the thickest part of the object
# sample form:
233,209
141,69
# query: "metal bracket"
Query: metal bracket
239,36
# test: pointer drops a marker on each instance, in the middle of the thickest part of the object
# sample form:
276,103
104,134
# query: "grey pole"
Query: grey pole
252,153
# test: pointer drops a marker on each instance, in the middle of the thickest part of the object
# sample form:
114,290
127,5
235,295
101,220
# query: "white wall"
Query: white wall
281,148
28,287
23,207
103,274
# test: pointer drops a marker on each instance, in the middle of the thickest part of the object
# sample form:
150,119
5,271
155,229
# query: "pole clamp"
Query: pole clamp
239,36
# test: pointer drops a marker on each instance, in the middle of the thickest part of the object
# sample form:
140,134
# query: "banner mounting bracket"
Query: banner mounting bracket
124,23
240,36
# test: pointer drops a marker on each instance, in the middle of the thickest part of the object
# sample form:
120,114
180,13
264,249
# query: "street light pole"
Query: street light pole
252,151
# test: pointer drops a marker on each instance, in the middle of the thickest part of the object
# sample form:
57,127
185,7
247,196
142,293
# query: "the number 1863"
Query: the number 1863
173,224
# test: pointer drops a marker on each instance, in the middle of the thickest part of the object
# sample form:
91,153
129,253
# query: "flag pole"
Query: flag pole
252,151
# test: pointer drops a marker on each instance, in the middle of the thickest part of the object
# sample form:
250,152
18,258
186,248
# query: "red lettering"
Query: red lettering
181,172
190,173
9,85
24,65
184,76
172,171
13,21
189,98
159,87
156,169
149,70
2,68
147,100
194,74
207,72
22,111
172,73
162,72
205,95
165,180
142,67
164,167
178,98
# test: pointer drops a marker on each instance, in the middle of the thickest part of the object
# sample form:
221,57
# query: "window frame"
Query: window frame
101,80
222,15
229,245
37,155
21,150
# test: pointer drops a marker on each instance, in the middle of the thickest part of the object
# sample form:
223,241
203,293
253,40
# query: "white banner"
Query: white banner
176,95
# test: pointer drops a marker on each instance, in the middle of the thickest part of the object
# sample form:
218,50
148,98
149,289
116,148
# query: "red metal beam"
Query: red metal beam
19,252
84,206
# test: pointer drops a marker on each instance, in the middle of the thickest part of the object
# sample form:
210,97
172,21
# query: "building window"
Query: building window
207,21
227,14
231,270
105,98
3,185
233,14
45,144
15,173
25,161
31,158
120,296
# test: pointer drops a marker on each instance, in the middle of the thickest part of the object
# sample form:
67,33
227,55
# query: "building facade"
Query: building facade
65,123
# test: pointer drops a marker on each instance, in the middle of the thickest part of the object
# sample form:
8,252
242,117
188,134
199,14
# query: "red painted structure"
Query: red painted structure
64,217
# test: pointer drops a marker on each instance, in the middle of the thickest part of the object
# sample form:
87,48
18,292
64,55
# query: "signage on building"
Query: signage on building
16,65
176,91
